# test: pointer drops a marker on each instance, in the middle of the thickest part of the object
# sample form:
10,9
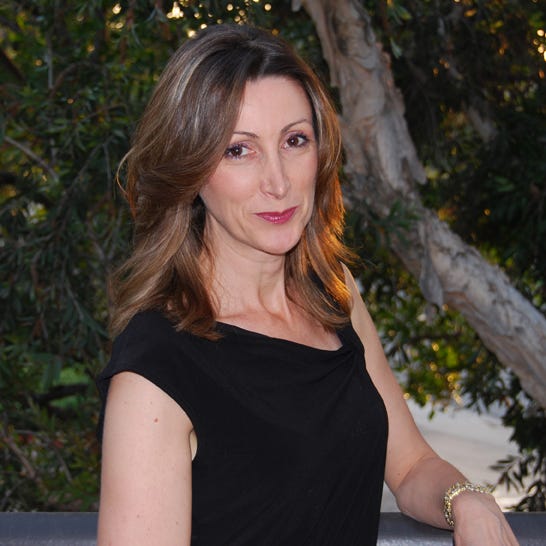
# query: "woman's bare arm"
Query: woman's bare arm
415,474
146,467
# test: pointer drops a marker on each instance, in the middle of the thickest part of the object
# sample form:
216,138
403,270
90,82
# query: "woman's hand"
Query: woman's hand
480,522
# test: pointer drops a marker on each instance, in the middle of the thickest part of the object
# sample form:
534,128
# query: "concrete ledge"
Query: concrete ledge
48,528
79,529
396,529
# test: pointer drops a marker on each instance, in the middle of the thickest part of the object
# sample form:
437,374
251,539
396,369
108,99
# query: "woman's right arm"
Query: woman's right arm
146,467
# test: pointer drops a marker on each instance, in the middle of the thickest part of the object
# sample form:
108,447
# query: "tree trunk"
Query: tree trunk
383,170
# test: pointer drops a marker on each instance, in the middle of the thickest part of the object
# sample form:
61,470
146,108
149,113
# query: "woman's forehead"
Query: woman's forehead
274,99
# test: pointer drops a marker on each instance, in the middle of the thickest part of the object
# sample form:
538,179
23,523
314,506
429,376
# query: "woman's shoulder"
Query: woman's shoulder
148,321
148,337
151,346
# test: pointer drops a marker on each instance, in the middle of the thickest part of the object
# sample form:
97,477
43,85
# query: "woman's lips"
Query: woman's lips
277,217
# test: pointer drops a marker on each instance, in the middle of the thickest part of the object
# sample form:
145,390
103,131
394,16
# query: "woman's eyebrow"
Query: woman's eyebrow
283,130
302,120
246,133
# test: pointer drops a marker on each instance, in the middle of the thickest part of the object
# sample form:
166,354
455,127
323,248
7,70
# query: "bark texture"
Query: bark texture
383,169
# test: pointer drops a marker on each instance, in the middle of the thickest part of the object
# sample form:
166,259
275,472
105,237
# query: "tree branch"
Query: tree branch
28,152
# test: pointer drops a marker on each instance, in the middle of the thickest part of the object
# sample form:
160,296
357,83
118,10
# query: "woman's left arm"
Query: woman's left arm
415,474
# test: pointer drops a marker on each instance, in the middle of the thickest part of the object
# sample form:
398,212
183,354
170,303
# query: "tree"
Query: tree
75,77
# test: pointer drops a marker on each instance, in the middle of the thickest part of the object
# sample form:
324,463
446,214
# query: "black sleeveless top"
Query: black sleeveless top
291,439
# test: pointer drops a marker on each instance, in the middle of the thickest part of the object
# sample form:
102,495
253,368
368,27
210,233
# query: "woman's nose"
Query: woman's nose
275,180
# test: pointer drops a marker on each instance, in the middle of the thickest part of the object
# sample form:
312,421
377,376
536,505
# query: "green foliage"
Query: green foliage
74,78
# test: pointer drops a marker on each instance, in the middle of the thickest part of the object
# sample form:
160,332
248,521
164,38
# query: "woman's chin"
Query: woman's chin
281,249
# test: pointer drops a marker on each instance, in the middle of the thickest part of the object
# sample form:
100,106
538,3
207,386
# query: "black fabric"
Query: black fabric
291,439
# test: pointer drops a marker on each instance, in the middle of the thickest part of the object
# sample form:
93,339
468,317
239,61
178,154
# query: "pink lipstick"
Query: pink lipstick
277,217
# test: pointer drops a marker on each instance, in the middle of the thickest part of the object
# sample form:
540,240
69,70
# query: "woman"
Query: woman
240,409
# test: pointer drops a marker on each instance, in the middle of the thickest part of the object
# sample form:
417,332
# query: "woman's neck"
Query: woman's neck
244,286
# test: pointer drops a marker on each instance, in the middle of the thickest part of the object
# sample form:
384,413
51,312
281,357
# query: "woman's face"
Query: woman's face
260,198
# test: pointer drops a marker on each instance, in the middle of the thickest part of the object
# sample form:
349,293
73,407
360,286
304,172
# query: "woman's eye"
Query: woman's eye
296,141
236,151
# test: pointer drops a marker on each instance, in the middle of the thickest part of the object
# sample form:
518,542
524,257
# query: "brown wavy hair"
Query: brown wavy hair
180,140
